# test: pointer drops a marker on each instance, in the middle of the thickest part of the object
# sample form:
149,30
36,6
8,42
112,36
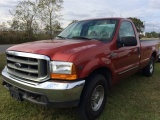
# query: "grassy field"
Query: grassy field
135,98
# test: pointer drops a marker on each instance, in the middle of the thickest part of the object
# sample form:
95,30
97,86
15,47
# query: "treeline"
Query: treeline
152,35
32,20
13,37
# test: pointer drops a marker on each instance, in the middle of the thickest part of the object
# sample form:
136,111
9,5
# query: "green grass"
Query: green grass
135,98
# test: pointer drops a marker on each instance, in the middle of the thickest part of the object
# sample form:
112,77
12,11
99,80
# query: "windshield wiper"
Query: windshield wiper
62,37
81,37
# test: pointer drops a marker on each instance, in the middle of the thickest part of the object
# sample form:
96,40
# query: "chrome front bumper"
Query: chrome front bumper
67,92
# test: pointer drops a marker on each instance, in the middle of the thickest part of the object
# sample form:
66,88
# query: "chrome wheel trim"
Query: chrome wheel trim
97,97
151,67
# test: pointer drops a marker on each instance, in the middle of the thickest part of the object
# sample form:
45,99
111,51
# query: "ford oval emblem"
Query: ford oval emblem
18,65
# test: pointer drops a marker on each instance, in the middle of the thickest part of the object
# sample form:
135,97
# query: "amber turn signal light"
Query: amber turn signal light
64,76
72,76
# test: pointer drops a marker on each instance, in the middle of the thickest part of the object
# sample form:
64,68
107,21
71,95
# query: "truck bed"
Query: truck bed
150,43
147,46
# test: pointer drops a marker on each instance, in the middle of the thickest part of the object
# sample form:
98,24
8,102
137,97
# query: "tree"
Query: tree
138,24
3,26
148,35
73,21
14,24
24,16
154,34
50,14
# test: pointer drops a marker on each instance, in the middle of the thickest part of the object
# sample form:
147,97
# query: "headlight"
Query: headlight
63,70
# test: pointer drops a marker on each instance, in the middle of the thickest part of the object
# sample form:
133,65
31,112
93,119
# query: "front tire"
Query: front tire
149,69
93,98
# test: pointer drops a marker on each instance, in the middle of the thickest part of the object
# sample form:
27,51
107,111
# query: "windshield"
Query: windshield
101,30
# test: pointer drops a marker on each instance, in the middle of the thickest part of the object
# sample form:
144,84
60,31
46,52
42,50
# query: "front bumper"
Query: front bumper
57,93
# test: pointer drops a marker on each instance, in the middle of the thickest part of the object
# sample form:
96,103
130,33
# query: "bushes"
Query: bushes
16,37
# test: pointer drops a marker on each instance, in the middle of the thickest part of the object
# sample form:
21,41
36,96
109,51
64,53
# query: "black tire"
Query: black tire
149,69
92,105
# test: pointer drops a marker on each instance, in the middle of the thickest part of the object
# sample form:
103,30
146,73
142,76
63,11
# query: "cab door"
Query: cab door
127,58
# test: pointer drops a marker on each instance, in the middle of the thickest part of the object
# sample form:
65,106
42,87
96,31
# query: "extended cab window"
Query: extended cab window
126,30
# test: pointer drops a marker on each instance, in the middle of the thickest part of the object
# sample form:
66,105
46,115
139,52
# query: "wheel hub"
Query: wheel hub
97,98
151,68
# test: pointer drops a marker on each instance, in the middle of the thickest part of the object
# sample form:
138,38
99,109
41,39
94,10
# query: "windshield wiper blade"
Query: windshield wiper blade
81,37
62,37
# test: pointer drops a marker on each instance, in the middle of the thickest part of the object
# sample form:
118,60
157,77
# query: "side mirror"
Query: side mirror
128,41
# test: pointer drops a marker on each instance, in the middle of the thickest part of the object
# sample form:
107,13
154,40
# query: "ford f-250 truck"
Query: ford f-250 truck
79,66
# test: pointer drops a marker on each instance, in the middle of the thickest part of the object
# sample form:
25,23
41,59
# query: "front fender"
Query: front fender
94,64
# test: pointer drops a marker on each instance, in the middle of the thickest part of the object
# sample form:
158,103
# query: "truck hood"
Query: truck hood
55,49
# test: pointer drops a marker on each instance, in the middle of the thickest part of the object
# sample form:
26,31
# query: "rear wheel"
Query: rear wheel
93,98
149,69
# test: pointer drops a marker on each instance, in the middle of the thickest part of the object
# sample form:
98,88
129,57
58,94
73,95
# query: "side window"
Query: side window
126,29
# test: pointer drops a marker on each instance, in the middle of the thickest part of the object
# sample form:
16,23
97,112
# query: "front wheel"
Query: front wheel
93,98
149,69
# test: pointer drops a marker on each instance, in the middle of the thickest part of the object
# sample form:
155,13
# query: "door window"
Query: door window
126,29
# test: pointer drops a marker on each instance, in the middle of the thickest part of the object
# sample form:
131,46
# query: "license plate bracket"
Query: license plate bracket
15,94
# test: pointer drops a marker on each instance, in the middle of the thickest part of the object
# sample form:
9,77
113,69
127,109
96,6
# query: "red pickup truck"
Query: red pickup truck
79,66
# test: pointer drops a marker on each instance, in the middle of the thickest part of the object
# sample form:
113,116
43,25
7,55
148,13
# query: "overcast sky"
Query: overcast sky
146,10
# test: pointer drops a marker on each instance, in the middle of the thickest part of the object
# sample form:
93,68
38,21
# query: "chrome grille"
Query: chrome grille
28,66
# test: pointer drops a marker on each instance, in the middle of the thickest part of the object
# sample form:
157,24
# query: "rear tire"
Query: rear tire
93,98
149,69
